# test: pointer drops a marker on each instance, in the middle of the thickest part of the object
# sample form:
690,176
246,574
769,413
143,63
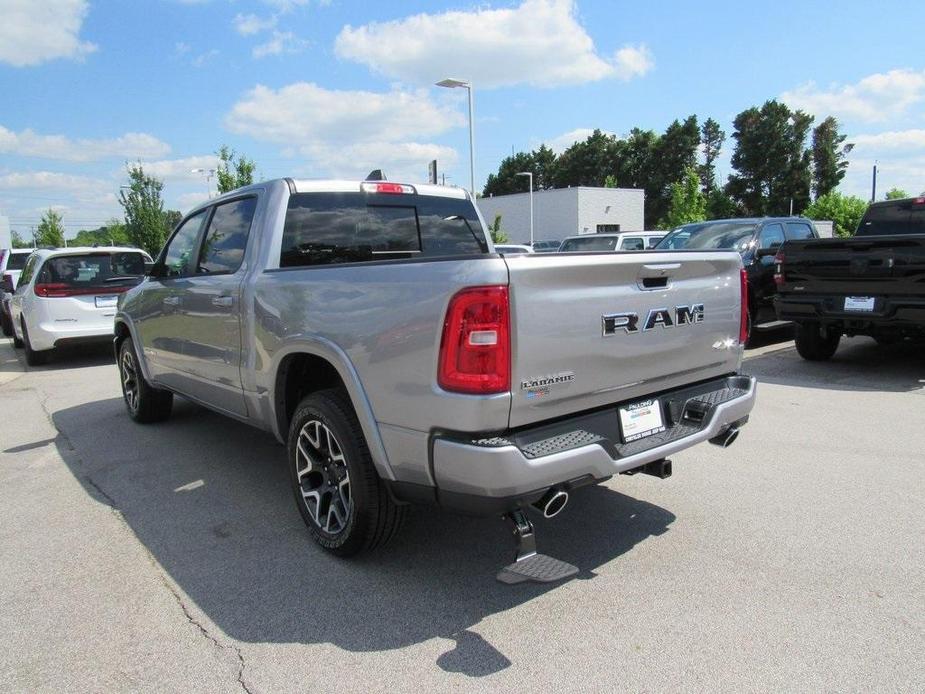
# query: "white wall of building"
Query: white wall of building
565,211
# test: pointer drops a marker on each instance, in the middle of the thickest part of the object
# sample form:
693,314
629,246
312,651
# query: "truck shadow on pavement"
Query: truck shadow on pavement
860,364
209,498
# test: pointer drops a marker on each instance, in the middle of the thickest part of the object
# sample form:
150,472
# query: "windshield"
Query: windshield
716,235
589,243
94,270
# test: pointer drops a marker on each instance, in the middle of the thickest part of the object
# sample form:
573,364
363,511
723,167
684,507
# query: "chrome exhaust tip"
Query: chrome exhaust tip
552,503
726,438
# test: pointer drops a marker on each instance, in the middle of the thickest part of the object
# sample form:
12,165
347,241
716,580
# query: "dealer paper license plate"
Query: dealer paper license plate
641,419
106,301
859,303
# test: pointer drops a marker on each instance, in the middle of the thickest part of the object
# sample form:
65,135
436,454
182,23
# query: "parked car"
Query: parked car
757,241
367,326
623,241
11,265
68,296
549,246
871,284
512,248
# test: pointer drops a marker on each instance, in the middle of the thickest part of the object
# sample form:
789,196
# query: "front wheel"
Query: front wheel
144,402
815,343
338,493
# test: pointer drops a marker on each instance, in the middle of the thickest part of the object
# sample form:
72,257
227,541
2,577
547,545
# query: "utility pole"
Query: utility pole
873,186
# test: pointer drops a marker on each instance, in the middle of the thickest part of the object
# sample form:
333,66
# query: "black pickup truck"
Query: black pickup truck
870,284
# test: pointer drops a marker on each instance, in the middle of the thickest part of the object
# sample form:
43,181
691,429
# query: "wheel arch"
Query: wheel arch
308,367
123,329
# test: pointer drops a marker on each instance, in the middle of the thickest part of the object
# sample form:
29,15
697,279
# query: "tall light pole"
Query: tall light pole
209,174
452,83
529,174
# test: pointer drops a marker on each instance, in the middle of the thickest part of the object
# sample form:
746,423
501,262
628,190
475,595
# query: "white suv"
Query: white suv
69,296
12,262
621,241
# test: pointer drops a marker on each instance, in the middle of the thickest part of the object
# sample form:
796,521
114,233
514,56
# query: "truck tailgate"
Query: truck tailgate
870,264
596,329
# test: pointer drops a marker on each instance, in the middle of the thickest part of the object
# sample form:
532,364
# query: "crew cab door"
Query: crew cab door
211,308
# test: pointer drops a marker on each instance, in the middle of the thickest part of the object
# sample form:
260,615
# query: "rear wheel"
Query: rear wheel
6,324
33,358
339,494
145,403
815,343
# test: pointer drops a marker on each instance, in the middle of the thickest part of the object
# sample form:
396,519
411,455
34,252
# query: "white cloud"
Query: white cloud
35,32
250,24
876,98
281,42
562,142
28,143
187,201
345,132
893,139
53,182
540,42
204,58
633,61
176,170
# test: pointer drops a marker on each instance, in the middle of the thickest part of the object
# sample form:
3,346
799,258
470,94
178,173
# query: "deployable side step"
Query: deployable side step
530,565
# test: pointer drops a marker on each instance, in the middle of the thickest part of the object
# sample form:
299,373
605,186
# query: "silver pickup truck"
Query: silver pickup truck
371,327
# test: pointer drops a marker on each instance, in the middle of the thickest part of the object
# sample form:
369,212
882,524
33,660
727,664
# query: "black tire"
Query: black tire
887,340
17,343
815,345
364,518
33,358
145,403
6,324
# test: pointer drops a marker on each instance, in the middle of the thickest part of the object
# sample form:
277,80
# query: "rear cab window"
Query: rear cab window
335,228
899,217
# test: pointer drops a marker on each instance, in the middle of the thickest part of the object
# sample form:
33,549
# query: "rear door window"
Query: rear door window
653,241
633,243
224,243
331,228
772,235
798,231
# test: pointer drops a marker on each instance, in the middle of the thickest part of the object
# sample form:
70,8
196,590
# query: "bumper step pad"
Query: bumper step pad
530,565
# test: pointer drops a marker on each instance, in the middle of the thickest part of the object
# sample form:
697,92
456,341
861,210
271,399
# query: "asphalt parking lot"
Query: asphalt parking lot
172,557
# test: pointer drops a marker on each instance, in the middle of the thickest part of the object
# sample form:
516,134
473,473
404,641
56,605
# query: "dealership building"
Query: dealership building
562,212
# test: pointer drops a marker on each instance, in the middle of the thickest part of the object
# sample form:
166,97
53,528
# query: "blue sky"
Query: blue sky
333,88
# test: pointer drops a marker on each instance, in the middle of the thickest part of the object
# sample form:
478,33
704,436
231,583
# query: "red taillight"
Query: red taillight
389,188
53,290
475,352
743,319
779,269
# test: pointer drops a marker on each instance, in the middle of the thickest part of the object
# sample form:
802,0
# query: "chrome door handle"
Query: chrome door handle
223,301
172,300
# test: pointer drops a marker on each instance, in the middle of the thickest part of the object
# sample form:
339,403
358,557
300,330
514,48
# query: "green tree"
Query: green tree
172,218
674,152
687,202
144,210
771,160
234,170
720,205
587,163
497,235
896,194
51,230
507,181
712,138
844,210
113,233
17,240
830,157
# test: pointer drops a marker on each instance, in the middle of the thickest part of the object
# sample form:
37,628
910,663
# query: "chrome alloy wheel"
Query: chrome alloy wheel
129,380
323,477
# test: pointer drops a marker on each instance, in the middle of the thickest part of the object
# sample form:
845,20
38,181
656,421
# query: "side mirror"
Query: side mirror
149,269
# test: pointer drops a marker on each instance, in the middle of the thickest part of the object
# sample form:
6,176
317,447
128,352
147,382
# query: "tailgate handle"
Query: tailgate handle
656,276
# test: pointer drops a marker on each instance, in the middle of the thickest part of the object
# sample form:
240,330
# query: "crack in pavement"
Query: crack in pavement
162,576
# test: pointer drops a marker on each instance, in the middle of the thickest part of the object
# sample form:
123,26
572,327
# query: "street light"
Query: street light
530,175
209,174
451,83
